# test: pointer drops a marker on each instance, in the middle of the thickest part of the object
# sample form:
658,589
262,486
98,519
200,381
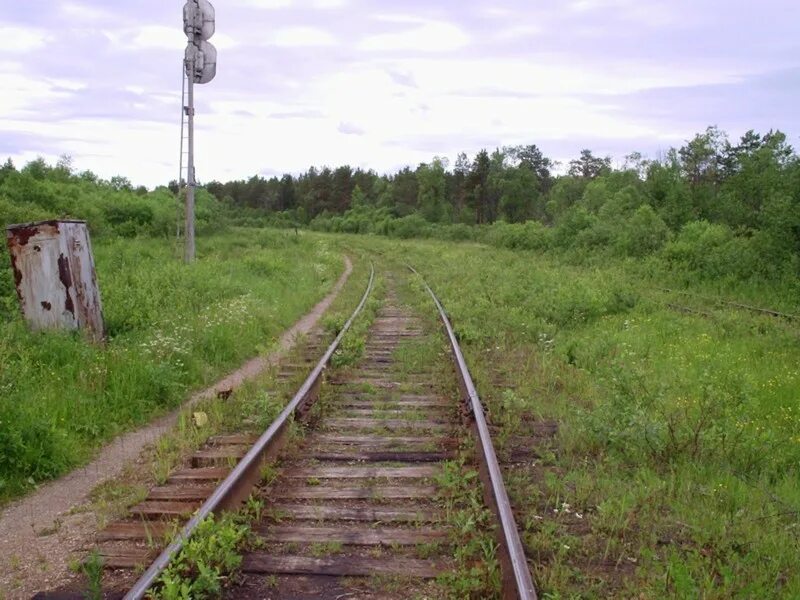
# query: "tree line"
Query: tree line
714,206
709,178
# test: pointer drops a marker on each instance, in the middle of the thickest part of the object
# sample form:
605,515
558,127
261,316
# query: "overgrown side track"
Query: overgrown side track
356,512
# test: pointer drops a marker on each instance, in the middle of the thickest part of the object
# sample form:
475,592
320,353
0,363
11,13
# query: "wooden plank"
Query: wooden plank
181,492
136,530
215,456
344,566
389,396
326,472
377,358
353,492
383,456
383,384
427,397
388,335
383,424
242,439
378,440
126,558
383,373
311,512
396,413
166,509
201,474
362,536
421,404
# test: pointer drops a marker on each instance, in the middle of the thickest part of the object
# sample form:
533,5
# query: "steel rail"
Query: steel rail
720,301
237,485
516,577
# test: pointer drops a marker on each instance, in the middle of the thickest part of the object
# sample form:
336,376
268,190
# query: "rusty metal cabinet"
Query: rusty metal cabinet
55,276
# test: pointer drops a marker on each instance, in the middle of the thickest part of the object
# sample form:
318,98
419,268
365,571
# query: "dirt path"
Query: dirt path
38,535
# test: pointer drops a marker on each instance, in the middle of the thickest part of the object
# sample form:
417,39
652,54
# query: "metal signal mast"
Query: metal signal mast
200,65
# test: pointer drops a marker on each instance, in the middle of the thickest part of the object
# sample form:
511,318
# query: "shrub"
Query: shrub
643,233
410,227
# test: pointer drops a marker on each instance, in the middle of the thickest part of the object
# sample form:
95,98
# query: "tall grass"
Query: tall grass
172,328
675,469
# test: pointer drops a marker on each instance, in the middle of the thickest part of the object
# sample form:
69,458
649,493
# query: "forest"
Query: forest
713,207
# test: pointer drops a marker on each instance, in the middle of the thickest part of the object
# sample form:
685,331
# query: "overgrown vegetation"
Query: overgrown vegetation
671,466
213,553
657,449
711,209
171,327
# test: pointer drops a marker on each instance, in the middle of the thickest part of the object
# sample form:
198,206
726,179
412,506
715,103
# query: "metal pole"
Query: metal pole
180,157
190,183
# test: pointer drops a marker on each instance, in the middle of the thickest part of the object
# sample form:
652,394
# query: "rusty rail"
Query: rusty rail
237,485
517,582
721,302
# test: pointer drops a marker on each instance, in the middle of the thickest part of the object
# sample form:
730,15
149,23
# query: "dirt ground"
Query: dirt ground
43,532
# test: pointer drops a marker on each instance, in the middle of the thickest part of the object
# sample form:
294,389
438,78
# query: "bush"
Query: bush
519,236
410,227
643,233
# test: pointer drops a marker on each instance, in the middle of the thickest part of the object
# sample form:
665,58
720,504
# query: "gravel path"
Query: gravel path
38,535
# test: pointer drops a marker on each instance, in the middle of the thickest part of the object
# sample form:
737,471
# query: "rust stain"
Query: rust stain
66,279
17,272
24,234
47,306
17,279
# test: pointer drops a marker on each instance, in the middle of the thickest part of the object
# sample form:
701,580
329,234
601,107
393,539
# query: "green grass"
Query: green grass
672,467
172,329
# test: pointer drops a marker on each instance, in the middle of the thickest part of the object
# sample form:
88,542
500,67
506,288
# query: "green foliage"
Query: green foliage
675,456
172,329
595,212
40,192
477,569
92,568
207,558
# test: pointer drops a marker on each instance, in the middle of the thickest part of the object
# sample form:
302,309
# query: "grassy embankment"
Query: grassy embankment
172,329
671,470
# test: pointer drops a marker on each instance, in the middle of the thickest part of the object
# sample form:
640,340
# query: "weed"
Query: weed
172,329
321,549
212,554
93,569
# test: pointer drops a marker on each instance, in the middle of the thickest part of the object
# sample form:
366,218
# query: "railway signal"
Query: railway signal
200,66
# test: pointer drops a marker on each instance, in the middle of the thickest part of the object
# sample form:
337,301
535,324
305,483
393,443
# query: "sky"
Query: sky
381,85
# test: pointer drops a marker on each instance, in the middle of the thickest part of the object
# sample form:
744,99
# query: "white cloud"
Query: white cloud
653,13
416,86
18,39
22,93
82,12
267,4
423,35
328,4
161,37
350,129
550,76
519,31
148,37
277,4
295,37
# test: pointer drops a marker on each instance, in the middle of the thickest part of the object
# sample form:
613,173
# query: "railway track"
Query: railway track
355,510
720,303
